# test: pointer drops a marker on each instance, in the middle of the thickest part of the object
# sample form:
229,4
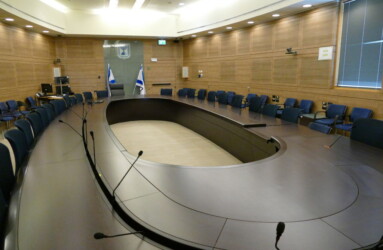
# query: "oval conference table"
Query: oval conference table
327,189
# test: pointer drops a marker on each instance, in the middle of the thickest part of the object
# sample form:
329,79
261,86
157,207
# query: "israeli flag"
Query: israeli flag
140,81
111,79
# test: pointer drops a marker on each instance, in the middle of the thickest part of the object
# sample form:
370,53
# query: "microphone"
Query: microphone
94,147
138,156
280,230
99,235
332,144
61,121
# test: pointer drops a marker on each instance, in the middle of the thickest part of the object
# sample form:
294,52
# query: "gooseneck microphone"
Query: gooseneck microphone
99,235
94,147
61,121
280,230
333,143
138,156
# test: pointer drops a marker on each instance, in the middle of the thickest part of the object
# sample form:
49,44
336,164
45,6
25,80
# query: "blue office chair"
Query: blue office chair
36,123
88,96
320,127
270,110
68,102
6,112
3,212
211,96
25,127
230,96
168,92
223,98
255,104
237,101
264,99
291,114
73,100
31,102
14,108
306,106
79,98
101,93
201,94
289,103
248,97
191,93
218,93
5,116
19,145
7,178
182,92
356,113
42,112
369,131
50,111
334,115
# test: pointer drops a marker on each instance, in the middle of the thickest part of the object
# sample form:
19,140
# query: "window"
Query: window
361,55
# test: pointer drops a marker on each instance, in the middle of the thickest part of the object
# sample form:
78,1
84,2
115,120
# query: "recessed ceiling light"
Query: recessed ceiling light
210,32
45,31
307,6
28,26
181,4
250,22
229,28
194,35
276,15
9,19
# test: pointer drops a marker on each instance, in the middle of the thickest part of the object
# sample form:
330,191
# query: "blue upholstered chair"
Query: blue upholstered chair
3,212
79,98
5,116
237,101
191,93
211,96
320,127
223,98
42,112
289,103
219,92
168,92
202,94
50,111
248,97
68,102
270,110
230,96
264,99
31,102
356,113
182,92
334,115
291,114
36,123
88,96
73,100
255,104
369,131
14,108
5,111
306,106
101,93
19,145
7,177
25,127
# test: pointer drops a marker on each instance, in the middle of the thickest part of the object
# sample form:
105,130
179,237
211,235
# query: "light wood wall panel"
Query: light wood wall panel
26,61
261,65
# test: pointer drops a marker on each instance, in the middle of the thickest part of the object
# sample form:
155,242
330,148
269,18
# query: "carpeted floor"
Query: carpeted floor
171,143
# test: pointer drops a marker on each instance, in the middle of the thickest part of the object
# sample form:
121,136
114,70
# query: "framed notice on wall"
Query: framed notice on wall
56,71
325,53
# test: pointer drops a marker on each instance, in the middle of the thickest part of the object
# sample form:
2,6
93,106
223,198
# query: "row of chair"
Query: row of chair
10,110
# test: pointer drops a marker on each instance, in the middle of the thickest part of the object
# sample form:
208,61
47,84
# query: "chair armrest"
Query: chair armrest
316,113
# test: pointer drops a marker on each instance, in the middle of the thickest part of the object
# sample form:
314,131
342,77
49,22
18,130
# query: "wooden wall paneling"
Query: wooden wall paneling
21,43
228,71
6,42
213,70
228,43
315,73
25,74
262,37
243,71
285,70
262,71
42,46
7,74
287,33
198,48
243,41
43,73
214,46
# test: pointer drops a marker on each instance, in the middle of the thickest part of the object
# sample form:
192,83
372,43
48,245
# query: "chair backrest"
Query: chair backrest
290,102
19,145
223,98
101,93
88,96
230,96
202,94
291,114
168,92
68,102
270,110
12,105
264,99
359,113
43,113
73,100
79,98
219,92
31,102
211,95
237,101
7,178
306,106
4,108
191,93
255,104
248,97
320,127
182,92
369,131
50,110
336,110
25,127
3,212
117,89
37,125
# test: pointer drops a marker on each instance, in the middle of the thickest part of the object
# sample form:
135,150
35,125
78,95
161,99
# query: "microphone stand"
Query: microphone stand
61,121
94,147
99,235
280,230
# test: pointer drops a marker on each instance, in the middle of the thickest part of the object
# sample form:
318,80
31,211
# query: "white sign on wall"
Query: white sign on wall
325,53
